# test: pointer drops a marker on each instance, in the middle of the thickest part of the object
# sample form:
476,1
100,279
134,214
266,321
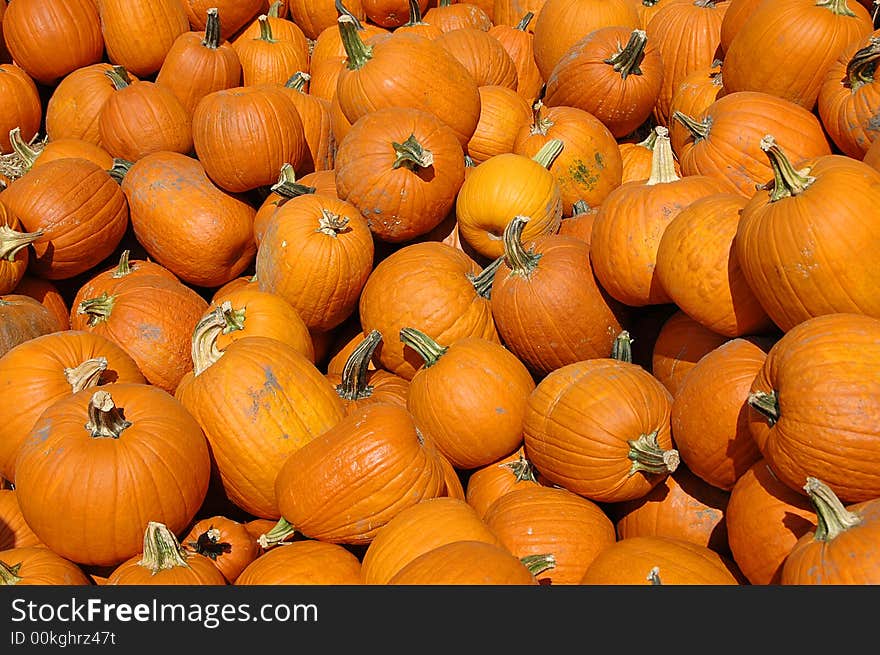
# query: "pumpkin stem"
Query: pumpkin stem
331,224
105,418
626,60
698,129
356,371
97,309
662,160
540,124
838,7
279,532
786,182
523,23
579,207
212,29
119,76
647,455
357,53
86,375
832,517
483,280
119,169
9,574
649,141
522,469
162,551
123,268
13,242
297,81
654,576
287,187
428,349
204,351
519,260
208,544
342,10
549,152
415,14
537,564
265,30
18,162
766,404
411,154
860,69
621,349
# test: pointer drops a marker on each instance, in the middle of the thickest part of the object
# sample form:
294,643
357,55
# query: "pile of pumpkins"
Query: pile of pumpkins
532,292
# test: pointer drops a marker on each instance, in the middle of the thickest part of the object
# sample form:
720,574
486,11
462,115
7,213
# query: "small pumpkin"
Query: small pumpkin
224,541
488,483
267,55
679,345
517,39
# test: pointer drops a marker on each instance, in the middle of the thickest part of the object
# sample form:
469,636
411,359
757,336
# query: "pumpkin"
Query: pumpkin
580,224
194,228
532,521
287,187
662,561
547,305
314,16
765,518
481,54
724,141
22,318
200,62
418,529
471,563
344,485
402,168
452,479
810,374
698,268
270,57
513,12
329,47
14,252
682,506
680,344
637,157
314,112
71,465
780,40
518,40
316,236
613,73
224,541
468,397
630,224
487,483
278,402
413,20
393,13
51,39
503,112
236,14
47,294
600,428
26,156
14,530
694,94
433,287
588,167
164,562
738,12
449,16
23,108
304,562
35,565
47,368
841,548
795,235
138,35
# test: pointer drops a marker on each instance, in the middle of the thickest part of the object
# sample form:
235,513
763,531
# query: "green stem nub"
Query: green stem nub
411,154
832,517
357,53
162,551
787,182
523,23
281,531
119,76
647,456
484,280
428,349
621,349
538,564
766,404
356,371
287,187
626,61
519,260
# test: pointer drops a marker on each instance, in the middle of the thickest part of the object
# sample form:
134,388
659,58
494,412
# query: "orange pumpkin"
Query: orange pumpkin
467,562
303,562
224,541
14,530
35,565
518,40
22,318
680,344
488,483
138,35
23,109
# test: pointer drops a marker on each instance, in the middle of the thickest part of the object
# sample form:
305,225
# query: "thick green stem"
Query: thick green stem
698,129
123,268
162,551
86,375
832,517
204,351
9,574
119,169
766,404
281,531
580,207
212,29
287,187
13,242
860,69
654,576
274,8
428,349
549,152
411,154
415,14
662,159
838,7
626,61
342,10
519,260
787,181
538,564
483,280
621,349
118,76
647,456
522,469
208,544
523,24
265,29
357,53
332,224
97,309
298,81
356,371
105,418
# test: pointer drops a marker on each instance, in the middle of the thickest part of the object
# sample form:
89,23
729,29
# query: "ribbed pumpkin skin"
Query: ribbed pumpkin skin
69,147
696,91
81,210
110,488
234,14
314,16
824,367
796,36
106,279
488,483
41,566
451,16
198,231
305,562
765,518
47,294
425,286
370,466
138,35
710,413
14,530
224,541
810,254
680,344
482,54
277,403
32,377
199,570
580,418
49,39
541,520
422,527
502,113
630,561
22,318
274,59
519,44
465,563
314,113
26,112
511,12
